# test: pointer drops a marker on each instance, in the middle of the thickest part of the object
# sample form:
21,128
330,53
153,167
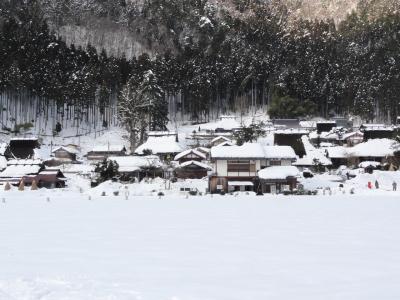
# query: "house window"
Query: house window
275,163
241,166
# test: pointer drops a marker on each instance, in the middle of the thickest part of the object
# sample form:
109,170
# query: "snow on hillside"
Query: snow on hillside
225,247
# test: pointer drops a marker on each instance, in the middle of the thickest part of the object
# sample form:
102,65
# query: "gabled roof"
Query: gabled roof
223,138
226,143
193,162
65,148
190,151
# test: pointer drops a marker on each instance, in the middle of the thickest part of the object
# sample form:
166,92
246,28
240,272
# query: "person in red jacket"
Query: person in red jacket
369,184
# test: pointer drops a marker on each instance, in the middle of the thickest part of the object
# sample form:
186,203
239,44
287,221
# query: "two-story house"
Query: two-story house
236,168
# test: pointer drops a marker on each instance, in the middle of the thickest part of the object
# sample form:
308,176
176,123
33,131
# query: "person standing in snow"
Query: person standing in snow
369,185
376,184
394,184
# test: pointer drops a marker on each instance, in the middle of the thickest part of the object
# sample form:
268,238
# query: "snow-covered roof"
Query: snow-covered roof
366,164
246,151
23,162
203,149
380,127
223,138
373,148
32,138
109,148
226,143
326,122
161,133
278,172
279,152
351,134
225,122
67,149
13,171
197,163
135,163
336,152
292,131
160,145
312,154
190,151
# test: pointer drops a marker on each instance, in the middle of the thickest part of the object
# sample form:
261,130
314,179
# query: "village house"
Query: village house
138,167
99,153
235,169
338,156
165,146
192,169
278,156
23,147
219,140
17,169
378,150
278,179
47,178
190,155
65,154
377,131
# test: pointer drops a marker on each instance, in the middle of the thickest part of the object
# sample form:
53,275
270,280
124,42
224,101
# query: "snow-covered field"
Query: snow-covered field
221,247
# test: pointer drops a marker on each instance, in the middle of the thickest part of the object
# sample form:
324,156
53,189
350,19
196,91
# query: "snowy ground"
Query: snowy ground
225,247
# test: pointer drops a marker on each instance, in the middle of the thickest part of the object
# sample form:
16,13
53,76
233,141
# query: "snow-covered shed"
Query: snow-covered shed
166,147
277,179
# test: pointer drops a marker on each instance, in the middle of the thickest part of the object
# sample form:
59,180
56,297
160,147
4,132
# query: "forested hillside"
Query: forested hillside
206,59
